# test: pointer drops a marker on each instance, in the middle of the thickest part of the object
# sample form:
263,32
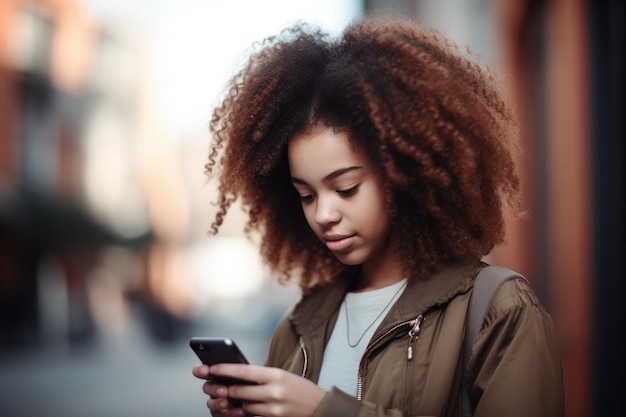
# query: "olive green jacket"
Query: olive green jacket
514,370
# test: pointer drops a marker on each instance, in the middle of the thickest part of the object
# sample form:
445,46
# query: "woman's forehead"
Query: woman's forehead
323,150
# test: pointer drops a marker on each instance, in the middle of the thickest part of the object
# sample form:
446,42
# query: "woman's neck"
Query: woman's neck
380,274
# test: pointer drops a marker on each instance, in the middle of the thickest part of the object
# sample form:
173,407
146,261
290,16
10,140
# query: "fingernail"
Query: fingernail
221,391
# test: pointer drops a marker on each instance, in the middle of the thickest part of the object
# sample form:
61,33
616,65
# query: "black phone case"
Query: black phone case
213,350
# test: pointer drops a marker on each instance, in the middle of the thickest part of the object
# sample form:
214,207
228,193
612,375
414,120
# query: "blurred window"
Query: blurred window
33,43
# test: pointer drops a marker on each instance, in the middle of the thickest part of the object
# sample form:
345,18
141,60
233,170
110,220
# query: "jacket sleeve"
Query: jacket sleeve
515,368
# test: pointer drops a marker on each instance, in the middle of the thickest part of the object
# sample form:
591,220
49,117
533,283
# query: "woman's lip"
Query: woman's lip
339,243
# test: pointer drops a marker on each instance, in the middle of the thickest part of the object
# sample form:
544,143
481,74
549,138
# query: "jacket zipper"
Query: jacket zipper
413,335
306,358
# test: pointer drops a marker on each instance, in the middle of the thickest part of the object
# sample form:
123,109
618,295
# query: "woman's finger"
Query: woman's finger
201,371
218,404
215,390
252,373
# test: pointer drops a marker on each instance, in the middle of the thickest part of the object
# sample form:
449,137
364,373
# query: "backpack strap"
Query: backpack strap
486,285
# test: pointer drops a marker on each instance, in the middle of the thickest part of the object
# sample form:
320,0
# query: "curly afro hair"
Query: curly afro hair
426,111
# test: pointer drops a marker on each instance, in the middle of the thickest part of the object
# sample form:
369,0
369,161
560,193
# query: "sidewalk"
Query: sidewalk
124,376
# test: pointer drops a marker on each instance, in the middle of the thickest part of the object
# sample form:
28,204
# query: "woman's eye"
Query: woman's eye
349,192
306,198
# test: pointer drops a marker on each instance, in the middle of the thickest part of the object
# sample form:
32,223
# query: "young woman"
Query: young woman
375,169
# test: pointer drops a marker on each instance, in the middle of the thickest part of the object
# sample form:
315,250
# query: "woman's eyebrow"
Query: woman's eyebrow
337,173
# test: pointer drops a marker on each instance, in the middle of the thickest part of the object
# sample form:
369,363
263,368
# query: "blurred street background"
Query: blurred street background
106,265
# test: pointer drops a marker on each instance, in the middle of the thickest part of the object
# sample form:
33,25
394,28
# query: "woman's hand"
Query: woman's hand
218,403
275,392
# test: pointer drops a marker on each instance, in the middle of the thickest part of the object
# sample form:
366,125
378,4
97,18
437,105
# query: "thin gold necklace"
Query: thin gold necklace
345,305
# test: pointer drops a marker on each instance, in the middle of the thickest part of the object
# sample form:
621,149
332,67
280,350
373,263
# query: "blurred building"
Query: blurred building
102,208
68,100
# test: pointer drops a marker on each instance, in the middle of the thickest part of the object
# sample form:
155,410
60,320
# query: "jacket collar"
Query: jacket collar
437,289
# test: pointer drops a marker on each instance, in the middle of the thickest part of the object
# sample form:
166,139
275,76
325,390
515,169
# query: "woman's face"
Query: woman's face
342,194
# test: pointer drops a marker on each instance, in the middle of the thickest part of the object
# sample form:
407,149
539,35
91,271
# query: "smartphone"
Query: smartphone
212,350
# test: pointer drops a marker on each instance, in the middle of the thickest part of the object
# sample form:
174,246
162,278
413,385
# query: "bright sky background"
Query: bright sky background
193,45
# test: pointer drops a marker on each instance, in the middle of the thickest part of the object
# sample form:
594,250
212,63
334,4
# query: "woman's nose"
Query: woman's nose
326,212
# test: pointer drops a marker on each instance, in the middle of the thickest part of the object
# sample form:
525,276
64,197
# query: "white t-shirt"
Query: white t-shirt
340,364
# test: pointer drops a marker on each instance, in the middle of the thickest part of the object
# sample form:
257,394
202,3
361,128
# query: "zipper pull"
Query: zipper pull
414,335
